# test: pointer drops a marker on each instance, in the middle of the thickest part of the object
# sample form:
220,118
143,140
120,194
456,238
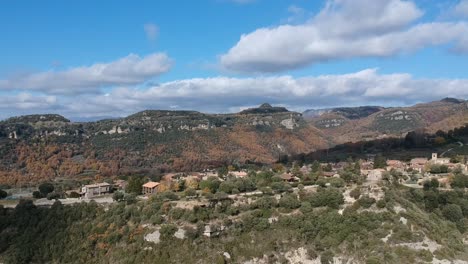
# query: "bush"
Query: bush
264,202
453,212
337,182
460,181
190,192
167,231
381,203
355,193
118,196
432,184
332,198
366,201
46,188
437,169
289,201
53,196
3,194
37,195
74,195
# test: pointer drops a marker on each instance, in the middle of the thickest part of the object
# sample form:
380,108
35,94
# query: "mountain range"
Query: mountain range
43,147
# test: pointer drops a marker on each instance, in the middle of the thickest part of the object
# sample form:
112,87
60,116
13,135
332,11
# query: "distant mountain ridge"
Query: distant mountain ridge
43,147
348,112
367,123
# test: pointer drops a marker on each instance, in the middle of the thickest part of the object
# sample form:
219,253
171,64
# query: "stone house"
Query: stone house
93,190
150,187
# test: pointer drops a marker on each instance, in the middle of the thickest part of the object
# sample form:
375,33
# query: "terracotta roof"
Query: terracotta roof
286,176
419,160
151,185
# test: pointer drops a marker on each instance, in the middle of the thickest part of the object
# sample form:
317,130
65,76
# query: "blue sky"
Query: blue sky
113,58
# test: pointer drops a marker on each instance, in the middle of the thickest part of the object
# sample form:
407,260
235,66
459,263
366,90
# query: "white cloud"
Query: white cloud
151,30
461,8
297,14
131,69
343,29
223,94
26,103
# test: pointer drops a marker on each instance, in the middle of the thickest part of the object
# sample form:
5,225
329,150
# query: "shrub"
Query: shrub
37,195
381,203
289,201
326,197
355,193
264,202
453,212
167,231
366,201
190,192
3,194
337,182
53,196
74,195
46,188
118,196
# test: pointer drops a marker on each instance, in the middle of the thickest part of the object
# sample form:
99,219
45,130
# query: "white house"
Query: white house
440,161
92,190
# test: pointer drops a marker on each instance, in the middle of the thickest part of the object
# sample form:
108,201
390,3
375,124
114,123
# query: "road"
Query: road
68,201
445,152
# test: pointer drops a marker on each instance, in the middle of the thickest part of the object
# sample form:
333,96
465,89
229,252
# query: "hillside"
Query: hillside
342,127
43,147
342,223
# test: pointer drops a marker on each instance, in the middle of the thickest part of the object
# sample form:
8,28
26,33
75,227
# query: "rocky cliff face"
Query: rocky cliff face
153,140
368,123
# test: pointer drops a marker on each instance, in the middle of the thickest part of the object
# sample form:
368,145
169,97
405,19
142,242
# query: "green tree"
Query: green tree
330,197
167,231
46,188
316,166
3,194
453,212
460,181
380,162
433,184
289,201
118,196
212,184
135,185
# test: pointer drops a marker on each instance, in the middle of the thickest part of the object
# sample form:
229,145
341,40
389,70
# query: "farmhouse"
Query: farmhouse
150,188
288,177
92,190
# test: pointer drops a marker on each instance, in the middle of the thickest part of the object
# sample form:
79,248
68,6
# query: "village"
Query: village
369,172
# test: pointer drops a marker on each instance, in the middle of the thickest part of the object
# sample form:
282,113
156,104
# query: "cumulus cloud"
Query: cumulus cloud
343,29
225,94
151,30
26,103
128,70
